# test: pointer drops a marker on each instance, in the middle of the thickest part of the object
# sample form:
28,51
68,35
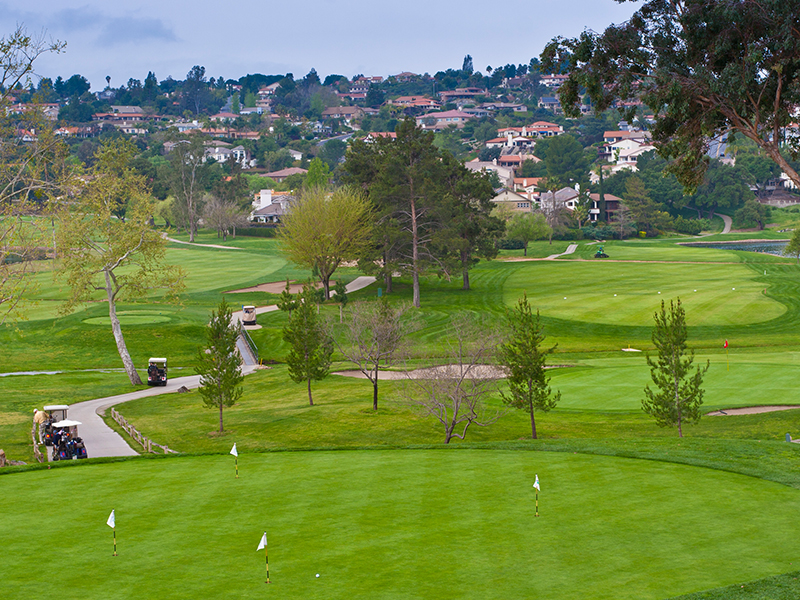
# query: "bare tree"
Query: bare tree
375,336
223,216
32,171
454,393
188,173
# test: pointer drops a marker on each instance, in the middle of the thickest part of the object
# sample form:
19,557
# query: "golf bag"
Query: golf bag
80,449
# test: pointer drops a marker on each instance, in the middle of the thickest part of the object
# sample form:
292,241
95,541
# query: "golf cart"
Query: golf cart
248,315
55,413
157,371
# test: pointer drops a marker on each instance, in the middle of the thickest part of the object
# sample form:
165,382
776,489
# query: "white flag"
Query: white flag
233,451
111,521
536,484
263,543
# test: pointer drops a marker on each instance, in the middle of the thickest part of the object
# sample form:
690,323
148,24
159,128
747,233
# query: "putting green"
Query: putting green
416,524
629,294
617,383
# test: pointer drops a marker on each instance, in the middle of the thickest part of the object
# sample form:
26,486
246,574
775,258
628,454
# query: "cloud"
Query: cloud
123,30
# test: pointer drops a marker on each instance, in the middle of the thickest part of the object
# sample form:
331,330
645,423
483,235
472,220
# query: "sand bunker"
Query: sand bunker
276,287
482,371
749,410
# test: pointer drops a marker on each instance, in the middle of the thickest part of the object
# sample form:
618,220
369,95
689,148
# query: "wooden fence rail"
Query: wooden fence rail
145,442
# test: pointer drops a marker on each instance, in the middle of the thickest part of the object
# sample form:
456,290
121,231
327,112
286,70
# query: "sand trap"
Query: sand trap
749,410
276,287
483,371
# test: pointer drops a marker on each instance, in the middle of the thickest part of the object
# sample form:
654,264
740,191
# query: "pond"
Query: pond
762,246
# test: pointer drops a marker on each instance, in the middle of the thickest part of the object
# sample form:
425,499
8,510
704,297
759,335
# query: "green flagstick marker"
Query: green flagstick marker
263,544
536,487
235,460
112,522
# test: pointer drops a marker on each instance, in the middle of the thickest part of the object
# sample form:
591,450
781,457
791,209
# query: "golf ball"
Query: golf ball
317,574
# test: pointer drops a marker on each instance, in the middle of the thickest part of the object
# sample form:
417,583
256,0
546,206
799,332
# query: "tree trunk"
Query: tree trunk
310,399
466,279
220,416
465,269
387,279
525,249
415,252
117,331
375,393
533,425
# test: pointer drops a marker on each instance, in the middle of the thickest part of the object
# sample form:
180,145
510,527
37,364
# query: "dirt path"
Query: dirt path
169,239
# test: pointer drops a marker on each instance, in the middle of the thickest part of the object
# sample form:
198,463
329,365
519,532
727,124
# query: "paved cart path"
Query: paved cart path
101,440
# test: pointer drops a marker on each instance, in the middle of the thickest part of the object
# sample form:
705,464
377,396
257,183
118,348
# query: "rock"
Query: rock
2,458
183,389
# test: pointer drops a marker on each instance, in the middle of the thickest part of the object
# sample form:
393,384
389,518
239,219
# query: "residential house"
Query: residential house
283,174
553,81
374,135
612,205
127,110
347,113
505,174
514,202
443,120
406,76
467,93
223,117
269,206
550,103
415,102
494,106
528,185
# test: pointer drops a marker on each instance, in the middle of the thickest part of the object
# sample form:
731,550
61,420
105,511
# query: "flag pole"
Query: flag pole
236,464
266,558
115,541
537,504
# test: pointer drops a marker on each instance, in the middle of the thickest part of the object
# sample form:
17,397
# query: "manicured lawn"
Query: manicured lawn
407,524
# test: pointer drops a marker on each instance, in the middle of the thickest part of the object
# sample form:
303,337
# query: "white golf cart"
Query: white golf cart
157,371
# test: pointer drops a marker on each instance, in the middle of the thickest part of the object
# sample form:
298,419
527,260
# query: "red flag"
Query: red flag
726,344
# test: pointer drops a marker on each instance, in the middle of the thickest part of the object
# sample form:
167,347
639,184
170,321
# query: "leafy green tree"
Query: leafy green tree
318,174
678,395
188,176
752,214
643,211
793,247
219,364
527,227
703,67
524,358
100,252
321,231
332,152
723,187
564,159
468,231
310,346
404,177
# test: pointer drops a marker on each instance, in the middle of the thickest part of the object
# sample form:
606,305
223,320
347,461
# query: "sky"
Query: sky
125,40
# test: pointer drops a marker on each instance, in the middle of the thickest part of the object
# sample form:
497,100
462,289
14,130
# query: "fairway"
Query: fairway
614,293
400,524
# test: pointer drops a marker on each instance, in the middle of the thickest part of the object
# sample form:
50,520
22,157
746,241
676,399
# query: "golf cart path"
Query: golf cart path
169,239
570,249
99,438
359,283
728,223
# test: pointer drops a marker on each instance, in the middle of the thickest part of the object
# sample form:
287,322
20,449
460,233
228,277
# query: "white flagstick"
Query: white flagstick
536,486
263,544
236,460
112,522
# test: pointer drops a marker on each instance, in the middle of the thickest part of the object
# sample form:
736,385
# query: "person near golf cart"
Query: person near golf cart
157,371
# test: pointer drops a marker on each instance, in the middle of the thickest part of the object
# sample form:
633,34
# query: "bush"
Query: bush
263,231
691,226
506,244
597,232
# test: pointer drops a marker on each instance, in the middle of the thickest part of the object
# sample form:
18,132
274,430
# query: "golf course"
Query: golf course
358,503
